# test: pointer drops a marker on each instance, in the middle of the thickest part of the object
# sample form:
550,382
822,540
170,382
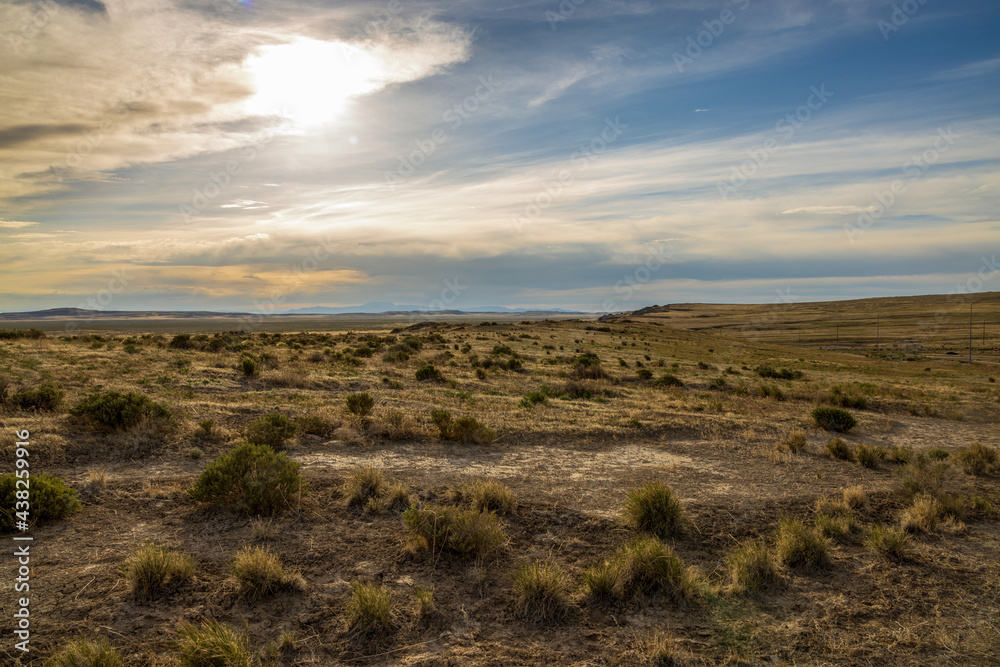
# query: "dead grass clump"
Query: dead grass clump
153,569
892,543
541,592
923,515
426,604
837,526
978,459
796,442
313,425
924,475
465,532
801,547
603,581
363,484
369,610
87,653
752,567
259,573
855,497
213,644
653,508
491,496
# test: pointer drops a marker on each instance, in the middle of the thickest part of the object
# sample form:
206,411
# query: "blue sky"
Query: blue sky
599,155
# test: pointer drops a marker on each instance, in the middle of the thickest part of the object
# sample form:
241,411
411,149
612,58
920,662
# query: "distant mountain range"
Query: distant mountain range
373,308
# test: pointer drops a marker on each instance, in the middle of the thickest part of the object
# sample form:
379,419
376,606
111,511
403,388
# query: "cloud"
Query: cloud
16,224
831,210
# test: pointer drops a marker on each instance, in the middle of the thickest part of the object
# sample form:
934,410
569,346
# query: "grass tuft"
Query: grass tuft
801,547
465,532
541,592
492,496
978,459
369,609
259,573
213,644
653,508
890,542
153,569
752,567
87,653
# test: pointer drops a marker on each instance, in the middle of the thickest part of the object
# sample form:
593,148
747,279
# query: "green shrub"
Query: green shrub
780,374
891,543
771,391
937,453
541,593
15,334
312,425
213,644
250,478
360,404
428,372
869,456
841,397
248,366
119,411
259,573
840,450
492,496
752,567
465,532
978,459
463,429
533,398
668,380
644,374
46,398
834,419
180,342
718,383
153,568
801,547
270,430
87,653
653,508
49,499
369,609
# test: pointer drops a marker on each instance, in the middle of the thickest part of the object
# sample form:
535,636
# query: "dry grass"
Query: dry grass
259,573
800,547
752,567
155,569
541,592
654,509
369,610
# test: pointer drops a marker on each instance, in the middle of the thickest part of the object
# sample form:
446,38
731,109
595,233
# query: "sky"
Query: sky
599,155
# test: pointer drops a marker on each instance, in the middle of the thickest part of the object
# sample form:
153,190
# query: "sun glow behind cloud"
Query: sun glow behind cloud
310,81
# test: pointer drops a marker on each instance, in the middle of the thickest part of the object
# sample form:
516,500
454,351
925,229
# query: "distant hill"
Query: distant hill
379,307
384,309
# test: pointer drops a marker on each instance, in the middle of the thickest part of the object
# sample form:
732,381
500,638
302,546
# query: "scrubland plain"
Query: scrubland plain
651,490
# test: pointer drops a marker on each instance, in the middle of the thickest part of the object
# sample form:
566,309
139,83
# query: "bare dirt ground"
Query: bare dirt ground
570,461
